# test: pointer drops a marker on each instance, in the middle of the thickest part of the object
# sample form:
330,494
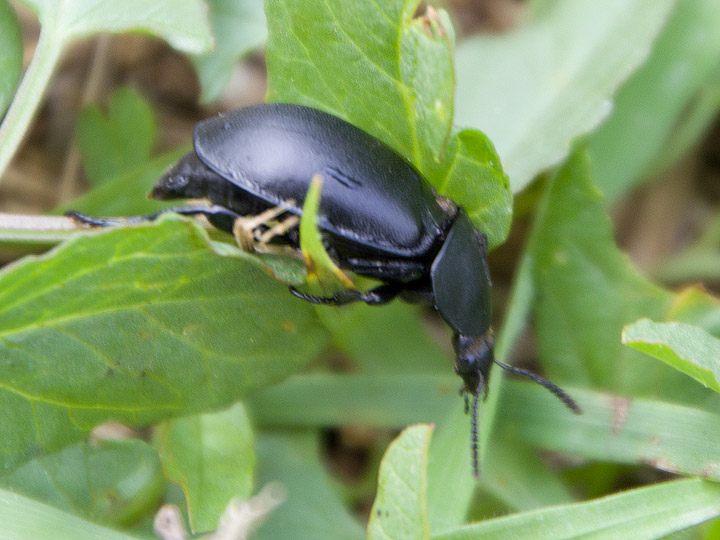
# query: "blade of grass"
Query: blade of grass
22,518
645,513
666,436
373,400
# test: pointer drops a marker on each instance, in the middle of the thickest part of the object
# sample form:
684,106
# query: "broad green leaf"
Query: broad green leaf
112,482
11,54
313,508
612,428
685,347
24,519
400,508
391,74
138,325
535,89
182,23
653,102
644,513
238,27
587,290
118,142
126,195
212,457
470,178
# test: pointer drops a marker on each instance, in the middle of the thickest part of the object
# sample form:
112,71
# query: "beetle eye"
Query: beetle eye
176,183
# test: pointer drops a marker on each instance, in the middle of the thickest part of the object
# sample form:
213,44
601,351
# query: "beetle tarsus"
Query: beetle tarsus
374,297
77,217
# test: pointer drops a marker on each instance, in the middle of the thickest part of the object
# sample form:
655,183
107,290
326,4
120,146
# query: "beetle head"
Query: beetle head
474,356
183,180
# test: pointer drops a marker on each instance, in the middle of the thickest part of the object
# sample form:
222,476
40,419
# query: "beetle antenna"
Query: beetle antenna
542,381
474,438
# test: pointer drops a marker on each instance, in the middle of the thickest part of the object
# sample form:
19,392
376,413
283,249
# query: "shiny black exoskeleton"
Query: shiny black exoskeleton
380,218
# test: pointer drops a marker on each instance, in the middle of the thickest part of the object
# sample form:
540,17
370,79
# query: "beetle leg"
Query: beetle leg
378,295
219,216
243,236
279,229
252,223
245,229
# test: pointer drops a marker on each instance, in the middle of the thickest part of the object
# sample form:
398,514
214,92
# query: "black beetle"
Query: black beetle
379,217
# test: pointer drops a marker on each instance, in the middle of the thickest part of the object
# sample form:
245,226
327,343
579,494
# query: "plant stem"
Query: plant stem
18,230
28,96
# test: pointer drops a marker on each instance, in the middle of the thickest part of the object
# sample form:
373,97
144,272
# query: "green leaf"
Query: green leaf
24,519
612,428
510,471
238,27
11,54
313,509
138,325
651,104
695,306
587,290
323,276
110,481
391,74
644,513
374,400
685,347
386,339
211,456
615,429
400,508
516,475
126,195
182,23
472,181
696,120
698,262
450,479
535,89
118,142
